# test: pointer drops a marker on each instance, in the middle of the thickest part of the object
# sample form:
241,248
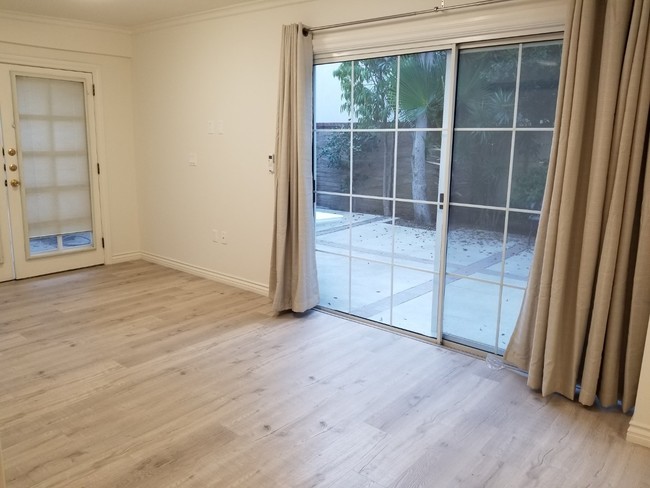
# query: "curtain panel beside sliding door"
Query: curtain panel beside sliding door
293,284
585,314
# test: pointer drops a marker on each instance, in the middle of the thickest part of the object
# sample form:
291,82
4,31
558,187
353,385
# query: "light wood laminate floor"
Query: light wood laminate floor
135,375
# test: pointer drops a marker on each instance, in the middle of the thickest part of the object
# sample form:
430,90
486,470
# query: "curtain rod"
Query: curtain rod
441,8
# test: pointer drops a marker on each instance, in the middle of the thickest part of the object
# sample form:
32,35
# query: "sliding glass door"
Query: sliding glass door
378,146
384,159
505,108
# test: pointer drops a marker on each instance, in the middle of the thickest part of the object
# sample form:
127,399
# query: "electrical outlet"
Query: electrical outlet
192,159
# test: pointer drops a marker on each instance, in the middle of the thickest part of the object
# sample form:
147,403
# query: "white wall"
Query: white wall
226,68
639,431
107,53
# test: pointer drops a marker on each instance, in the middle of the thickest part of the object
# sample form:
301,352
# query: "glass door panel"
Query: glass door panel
51,127
53,196
505,108
379,127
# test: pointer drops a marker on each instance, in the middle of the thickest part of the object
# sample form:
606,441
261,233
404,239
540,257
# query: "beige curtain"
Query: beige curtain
2,471
585,314
293,284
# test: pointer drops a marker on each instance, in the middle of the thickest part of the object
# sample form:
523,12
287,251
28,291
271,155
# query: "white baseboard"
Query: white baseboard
207,273
124,257
638,433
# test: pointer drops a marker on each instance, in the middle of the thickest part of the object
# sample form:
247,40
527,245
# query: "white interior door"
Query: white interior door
50,211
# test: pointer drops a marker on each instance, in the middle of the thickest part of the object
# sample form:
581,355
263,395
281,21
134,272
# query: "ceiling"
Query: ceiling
120,13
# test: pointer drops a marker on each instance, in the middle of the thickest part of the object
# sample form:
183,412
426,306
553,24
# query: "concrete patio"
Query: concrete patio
396,267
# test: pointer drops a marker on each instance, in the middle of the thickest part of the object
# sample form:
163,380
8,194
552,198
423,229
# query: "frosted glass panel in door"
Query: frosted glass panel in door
54,158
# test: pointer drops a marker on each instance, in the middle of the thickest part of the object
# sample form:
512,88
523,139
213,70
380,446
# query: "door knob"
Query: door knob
13,167
15,183
11,152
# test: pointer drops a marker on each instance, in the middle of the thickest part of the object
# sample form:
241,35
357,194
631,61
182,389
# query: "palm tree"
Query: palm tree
373,100
421,99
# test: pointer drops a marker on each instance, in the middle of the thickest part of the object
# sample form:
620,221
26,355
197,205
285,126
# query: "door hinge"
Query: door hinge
102,243
98,171
441,200
93,89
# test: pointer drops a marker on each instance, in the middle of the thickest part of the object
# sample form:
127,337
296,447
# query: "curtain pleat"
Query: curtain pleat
293,283
585,313
2,471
